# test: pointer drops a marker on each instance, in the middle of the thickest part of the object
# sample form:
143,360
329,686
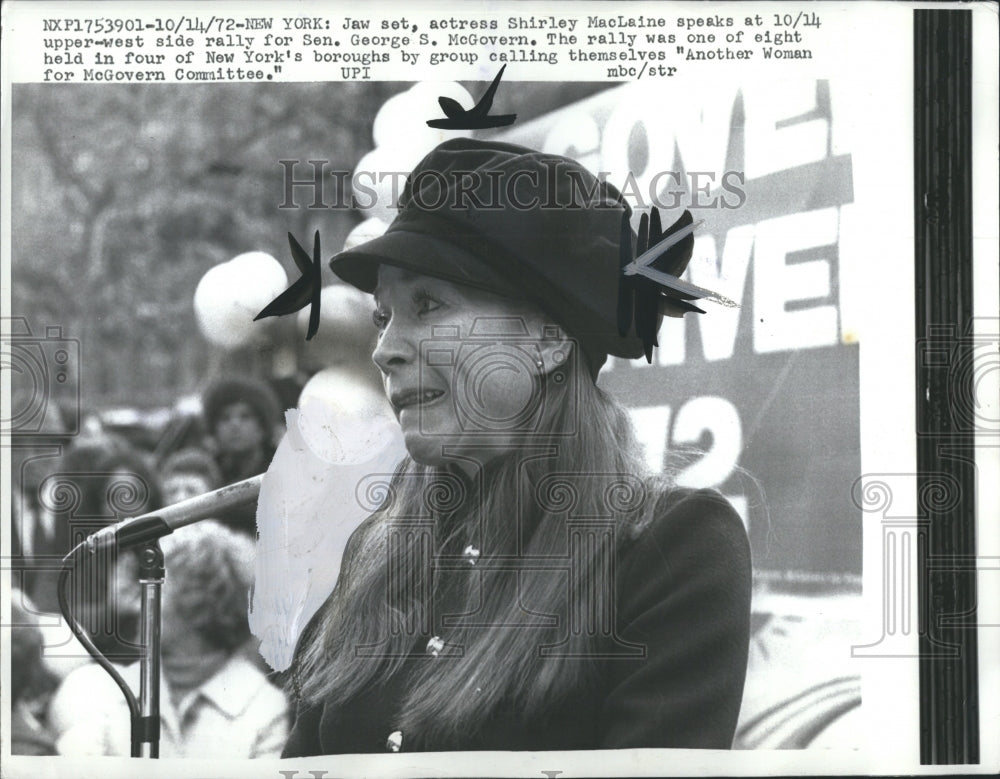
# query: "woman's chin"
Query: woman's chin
442,450
425,449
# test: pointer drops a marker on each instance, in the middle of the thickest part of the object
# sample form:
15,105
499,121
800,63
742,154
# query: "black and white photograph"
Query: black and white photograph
487,389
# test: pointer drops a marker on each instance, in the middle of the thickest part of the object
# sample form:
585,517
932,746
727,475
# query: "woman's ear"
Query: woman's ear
555,347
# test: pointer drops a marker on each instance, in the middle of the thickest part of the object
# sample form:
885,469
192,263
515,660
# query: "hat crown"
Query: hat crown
490,174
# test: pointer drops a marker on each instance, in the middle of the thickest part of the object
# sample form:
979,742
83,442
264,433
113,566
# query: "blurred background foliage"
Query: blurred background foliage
124,196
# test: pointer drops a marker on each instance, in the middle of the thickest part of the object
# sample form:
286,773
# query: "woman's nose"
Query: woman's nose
394,347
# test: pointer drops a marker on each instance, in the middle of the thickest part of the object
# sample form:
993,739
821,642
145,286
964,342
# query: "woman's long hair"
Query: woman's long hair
534,503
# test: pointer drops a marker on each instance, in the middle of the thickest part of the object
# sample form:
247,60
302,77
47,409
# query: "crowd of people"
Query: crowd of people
218,698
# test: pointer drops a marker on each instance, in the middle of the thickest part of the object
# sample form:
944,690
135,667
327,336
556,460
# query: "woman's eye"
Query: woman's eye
380,318
426,304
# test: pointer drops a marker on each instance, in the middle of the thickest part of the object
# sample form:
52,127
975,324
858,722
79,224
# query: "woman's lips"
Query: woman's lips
413,398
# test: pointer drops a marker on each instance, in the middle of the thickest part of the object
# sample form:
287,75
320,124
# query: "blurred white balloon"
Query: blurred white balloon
346,335
232,293
344,420
403,117
342,435
339,305
394,112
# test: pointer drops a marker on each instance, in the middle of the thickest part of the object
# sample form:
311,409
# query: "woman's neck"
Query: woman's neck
187,671
241,465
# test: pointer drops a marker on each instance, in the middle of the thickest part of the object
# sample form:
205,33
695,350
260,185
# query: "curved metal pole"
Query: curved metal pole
68,566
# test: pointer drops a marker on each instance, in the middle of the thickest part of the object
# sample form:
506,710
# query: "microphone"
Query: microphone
163,522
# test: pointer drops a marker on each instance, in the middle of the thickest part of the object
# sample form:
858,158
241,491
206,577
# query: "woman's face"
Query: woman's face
460,365
181,486
186,656
237,429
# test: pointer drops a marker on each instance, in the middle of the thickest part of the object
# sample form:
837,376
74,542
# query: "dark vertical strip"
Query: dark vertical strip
949,706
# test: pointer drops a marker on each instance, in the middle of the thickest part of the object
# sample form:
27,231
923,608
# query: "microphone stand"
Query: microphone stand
146,730
144,533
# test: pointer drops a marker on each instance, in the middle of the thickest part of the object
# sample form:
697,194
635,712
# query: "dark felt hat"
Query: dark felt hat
513,221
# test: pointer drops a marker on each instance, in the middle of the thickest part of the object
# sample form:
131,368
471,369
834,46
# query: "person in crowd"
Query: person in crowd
100,480
30,531
31,683
243,418
188,473
215,703
523,582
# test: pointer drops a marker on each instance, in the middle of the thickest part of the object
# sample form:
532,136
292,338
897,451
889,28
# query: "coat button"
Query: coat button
395,741
471,554
434,646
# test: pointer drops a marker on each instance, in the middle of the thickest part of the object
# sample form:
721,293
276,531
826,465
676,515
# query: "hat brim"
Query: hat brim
419,253
432,256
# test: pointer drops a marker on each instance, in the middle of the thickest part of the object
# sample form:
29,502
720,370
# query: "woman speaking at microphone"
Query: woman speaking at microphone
524,582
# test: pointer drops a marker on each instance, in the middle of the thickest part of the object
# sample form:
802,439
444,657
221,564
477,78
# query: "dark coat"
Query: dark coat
683,591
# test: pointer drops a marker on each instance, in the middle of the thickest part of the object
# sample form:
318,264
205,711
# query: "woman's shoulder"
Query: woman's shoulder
691,536
83,702
690,515
245,675
684,584
89,686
